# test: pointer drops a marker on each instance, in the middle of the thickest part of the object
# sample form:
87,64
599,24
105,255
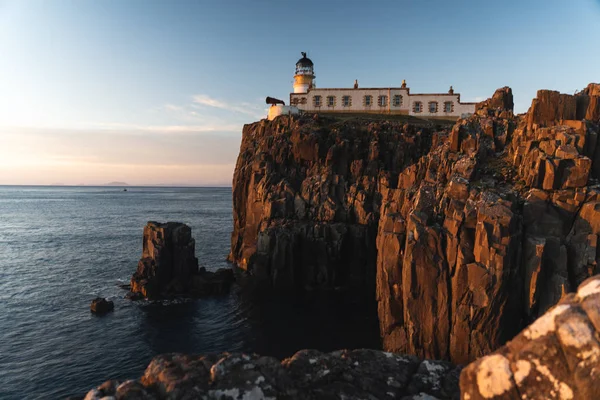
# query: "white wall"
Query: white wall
357,102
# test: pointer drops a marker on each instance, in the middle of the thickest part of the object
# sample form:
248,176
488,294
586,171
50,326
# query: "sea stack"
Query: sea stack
168,259
169,267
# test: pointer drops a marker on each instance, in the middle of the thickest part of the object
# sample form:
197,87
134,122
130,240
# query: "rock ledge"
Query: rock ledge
309,374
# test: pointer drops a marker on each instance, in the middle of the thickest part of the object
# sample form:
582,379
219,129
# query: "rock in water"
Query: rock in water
101,306
168,259
556,357
169,266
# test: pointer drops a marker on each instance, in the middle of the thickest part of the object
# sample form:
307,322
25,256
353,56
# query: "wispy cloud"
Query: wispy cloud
209,101
242,108
168,128
173,107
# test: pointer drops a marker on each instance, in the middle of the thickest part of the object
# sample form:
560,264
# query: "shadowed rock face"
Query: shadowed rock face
168,259
556,357
468,232
309,374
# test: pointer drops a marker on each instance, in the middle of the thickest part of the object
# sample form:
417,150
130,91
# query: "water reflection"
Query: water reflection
249,321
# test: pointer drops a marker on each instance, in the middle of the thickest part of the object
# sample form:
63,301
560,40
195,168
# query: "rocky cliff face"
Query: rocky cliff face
489,229
469,232
306,197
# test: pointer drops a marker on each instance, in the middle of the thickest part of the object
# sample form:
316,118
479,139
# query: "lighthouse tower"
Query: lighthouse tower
303,80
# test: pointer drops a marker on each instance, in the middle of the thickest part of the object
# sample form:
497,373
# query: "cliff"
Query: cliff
306,197
462,234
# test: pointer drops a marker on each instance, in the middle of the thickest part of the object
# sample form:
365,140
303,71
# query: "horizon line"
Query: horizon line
122,186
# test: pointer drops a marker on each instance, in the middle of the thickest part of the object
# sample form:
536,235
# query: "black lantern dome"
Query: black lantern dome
304,66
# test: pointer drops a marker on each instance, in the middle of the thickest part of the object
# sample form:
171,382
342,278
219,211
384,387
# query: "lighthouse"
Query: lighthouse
303,80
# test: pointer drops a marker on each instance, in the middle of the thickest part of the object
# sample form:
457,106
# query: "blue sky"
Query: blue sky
152,92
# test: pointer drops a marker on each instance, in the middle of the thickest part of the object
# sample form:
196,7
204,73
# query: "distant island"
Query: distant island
116,184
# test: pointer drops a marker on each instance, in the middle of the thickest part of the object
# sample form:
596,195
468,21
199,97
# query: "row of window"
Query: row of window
382,101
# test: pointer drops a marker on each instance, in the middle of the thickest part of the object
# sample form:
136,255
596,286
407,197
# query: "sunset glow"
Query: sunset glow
157,93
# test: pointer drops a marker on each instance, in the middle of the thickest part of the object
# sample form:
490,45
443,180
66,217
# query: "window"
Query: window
346,101
382,101
433,107
330,101
448,107
368,100
295,100
417,107
397,101
303,100
317,101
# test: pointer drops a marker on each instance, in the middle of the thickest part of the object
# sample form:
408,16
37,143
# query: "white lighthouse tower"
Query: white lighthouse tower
303,80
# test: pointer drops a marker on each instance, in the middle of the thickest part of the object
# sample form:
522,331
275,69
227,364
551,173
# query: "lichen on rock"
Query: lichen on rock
559,361
309,374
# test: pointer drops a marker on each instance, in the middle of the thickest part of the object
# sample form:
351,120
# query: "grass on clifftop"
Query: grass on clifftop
389,117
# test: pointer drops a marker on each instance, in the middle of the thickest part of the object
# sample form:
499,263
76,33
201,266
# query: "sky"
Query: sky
157,92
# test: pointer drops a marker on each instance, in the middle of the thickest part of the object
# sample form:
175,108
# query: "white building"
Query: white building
372,100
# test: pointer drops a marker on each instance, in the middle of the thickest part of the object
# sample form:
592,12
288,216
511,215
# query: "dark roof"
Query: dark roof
304,61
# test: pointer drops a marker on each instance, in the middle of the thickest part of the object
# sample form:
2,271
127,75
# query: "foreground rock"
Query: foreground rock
101,306
463,234
309,374
556,357
169,266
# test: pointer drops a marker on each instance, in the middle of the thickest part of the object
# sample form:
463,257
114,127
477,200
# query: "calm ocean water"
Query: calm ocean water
62,246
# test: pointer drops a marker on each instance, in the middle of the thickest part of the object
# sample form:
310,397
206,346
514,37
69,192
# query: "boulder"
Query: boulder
101,306
588,103
549,107
556,357
211,283
502,100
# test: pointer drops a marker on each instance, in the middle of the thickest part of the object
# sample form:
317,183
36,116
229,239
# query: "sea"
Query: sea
60,247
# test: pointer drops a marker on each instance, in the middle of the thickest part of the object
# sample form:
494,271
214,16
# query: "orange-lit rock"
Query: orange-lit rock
467,233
